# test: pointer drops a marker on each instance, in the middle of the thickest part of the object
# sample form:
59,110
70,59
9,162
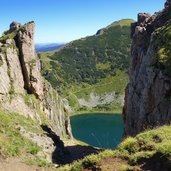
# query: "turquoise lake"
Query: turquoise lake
98,130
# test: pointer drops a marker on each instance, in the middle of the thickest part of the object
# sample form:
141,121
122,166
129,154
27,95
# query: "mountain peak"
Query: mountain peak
122,22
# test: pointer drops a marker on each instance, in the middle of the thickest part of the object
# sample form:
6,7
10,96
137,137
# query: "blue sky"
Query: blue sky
66,20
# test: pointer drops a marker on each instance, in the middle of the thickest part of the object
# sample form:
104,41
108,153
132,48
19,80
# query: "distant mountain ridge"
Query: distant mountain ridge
45,47
93,57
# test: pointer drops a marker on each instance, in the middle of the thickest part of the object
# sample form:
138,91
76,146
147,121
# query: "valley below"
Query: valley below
91,73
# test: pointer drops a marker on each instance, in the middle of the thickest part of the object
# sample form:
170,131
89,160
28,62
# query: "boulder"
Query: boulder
142,17
14,26
9,41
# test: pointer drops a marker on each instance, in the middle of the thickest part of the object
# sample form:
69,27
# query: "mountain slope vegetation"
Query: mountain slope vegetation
90,62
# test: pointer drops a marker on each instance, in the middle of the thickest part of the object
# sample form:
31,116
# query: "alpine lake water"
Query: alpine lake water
98,130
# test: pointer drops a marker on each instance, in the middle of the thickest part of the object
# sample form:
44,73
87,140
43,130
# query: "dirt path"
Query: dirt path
75,152
15,164
109,164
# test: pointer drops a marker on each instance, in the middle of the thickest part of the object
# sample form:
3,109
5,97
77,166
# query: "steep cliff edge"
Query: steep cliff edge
21,81
25,92
148,94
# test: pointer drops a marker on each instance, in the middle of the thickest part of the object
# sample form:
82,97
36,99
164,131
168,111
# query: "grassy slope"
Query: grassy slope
139,153
13,144
91,64
106,85
163,44
133,153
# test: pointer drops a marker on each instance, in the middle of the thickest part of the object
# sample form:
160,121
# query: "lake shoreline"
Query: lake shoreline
100,130
96,112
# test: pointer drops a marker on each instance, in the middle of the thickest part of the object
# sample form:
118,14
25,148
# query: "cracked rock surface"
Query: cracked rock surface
148,93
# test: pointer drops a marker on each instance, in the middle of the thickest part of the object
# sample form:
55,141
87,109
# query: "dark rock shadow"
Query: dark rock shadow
66,155
157,162
77,152
59,153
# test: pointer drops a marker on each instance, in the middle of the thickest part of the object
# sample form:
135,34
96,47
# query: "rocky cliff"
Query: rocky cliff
22,89
148,93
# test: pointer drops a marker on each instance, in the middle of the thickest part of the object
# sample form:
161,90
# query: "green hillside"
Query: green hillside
89,61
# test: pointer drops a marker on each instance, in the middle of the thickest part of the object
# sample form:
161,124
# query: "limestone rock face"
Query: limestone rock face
22,89
147,96
4,78
29,61
14,70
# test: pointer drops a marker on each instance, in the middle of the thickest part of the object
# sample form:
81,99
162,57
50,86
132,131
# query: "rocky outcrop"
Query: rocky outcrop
22,89
14,26
29,61
96,100
148,94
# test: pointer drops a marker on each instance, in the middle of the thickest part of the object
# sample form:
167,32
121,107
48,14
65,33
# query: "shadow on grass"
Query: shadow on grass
66,155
